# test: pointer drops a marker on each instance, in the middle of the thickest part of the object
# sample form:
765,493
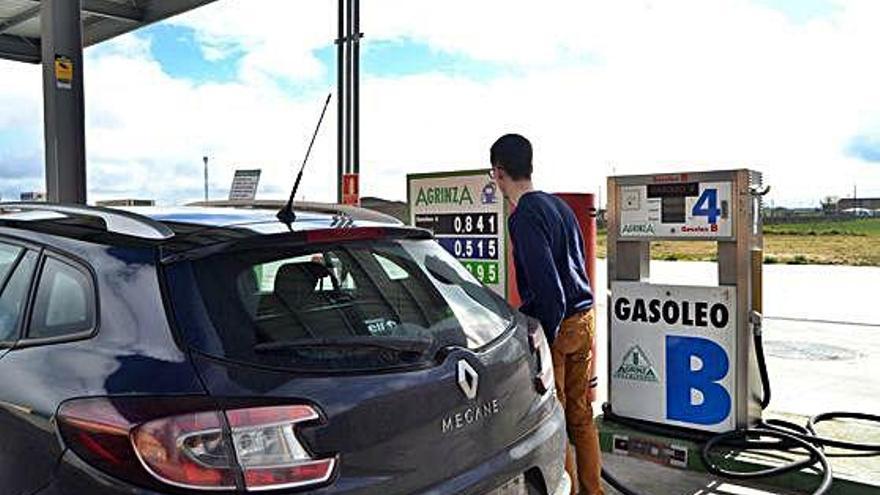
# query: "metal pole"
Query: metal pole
356,98
348,86
340,101
63,101
205,159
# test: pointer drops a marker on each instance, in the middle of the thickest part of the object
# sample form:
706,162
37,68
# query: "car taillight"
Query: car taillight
249,449
544,379
188,450
269,451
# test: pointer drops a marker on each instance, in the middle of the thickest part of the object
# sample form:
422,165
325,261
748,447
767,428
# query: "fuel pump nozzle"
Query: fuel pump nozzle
759,191
757,321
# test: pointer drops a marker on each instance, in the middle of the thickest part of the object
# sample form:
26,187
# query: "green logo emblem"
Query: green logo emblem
636,366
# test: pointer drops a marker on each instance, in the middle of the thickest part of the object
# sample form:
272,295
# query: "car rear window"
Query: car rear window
349,305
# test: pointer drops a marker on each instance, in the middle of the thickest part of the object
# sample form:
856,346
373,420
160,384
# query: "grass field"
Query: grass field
850,242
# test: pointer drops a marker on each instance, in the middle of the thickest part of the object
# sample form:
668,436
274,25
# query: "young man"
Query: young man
552,280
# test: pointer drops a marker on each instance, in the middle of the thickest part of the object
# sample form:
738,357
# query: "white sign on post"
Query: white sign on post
676,209
244,185
465,211
673,350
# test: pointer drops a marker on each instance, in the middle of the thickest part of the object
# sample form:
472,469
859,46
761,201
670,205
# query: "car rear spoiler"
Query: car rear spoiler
113,221
295,238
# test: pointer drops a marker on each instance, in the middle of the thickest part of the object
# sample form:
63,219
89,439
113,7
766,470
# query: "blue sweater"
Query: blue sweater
548,251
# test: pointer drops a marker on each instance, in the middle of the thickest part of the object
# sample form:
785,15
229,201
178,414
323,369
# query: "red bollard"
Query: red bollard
584,206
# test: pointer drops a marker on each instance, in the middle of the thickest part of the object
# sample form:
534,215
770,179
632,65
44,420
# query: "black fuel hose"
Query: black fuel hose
758,339
616,484
815,455
839,444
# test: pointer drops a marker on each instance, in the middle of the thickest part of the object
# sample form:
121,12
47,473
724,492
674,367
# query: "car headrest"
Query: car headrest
297,281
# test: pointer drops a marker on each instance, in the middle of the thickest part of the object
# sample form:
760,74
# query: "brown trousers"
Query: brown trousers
571,364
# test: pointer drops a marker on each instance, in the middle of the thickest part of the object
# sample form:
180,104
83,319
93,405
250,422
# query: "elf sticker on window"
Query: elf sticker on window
380,326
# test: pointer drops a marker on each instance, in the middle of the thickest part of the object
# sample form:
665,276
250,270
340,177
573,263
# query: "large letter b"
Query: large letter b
682,380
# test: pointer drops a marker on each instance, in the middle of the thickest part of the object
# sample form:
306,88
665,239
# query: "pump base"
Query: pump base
676,453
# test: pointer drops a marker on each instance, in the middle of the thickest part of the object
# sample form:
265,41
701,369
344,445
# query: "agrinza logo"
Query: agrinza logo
454,195
636,366
637,229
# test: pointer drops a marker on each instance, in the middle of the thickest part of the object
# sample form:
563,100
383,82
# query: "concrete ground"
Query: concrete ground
653,479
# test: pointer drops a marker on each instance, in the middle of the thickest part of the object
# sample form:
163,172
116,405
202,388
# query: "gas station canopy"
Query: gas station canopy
20,31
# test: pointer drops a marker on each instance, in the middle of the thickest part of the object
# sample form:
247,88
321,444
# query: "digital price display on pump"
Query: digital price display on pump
466,212
675,207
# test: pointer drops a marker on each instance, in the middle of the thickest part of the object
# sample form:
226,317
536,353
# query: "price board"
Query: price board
466,212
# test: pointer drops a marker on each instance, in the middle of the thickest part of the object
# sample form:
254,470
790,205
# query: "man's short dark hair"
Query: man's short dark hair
513,153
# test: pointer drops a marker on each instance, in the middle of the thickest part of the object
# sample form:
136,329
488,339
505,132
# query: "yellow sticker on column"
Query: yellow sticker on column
63,72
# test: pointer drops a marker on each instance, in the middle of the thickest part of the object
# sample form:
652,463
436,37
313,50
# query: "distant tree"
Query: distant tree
829,204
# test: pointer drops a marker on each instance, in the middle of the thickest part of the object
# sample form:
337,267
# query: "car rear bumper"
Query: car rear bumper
539,454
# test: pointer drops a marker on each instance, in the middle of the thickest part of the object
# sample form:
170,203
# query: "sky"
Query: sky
787,87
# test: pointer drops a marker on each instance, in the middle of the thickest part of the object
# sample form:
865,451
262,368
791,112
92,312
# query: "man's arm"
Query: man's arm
532,248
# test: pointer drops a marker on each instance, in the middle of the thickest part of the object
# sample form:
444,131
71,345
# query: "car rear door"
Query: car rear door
405,432
321,325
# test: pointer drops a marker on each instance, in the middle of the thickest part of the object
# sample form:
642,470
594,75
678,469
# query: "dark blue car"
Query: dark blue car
212,350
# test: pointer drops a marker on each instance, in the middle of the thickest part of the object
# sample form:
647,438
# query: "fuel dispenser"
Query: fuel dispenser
684,355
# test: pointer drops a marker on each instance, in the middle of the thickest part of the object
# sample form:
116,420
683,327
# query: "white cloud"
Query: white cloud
18,106
274,37
678,85
631,86
159,137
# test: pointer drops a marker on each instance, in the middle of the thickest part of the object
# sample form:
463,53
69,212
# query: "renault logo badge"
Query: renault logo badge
467,379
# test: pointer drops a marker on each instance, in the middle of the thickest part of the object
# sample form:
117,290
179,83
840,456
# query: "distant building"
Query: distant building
782,212
126,202
866,203
396,209
32,196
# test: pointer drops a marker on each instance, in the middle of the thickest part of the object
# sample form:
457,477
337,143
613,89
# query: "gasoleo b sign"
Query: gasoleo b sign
672,349
465,211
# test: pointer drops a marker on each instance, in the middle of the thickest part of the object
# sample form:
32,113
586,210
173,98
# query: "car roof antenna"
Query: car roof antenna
286,214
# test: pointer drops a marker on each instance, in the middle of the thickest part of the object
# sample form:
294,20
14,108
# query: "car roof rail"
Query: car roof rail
115,221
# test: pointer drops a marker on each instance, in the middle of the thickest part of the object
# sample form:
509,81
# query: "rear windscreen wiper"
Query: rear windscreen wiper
420,346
